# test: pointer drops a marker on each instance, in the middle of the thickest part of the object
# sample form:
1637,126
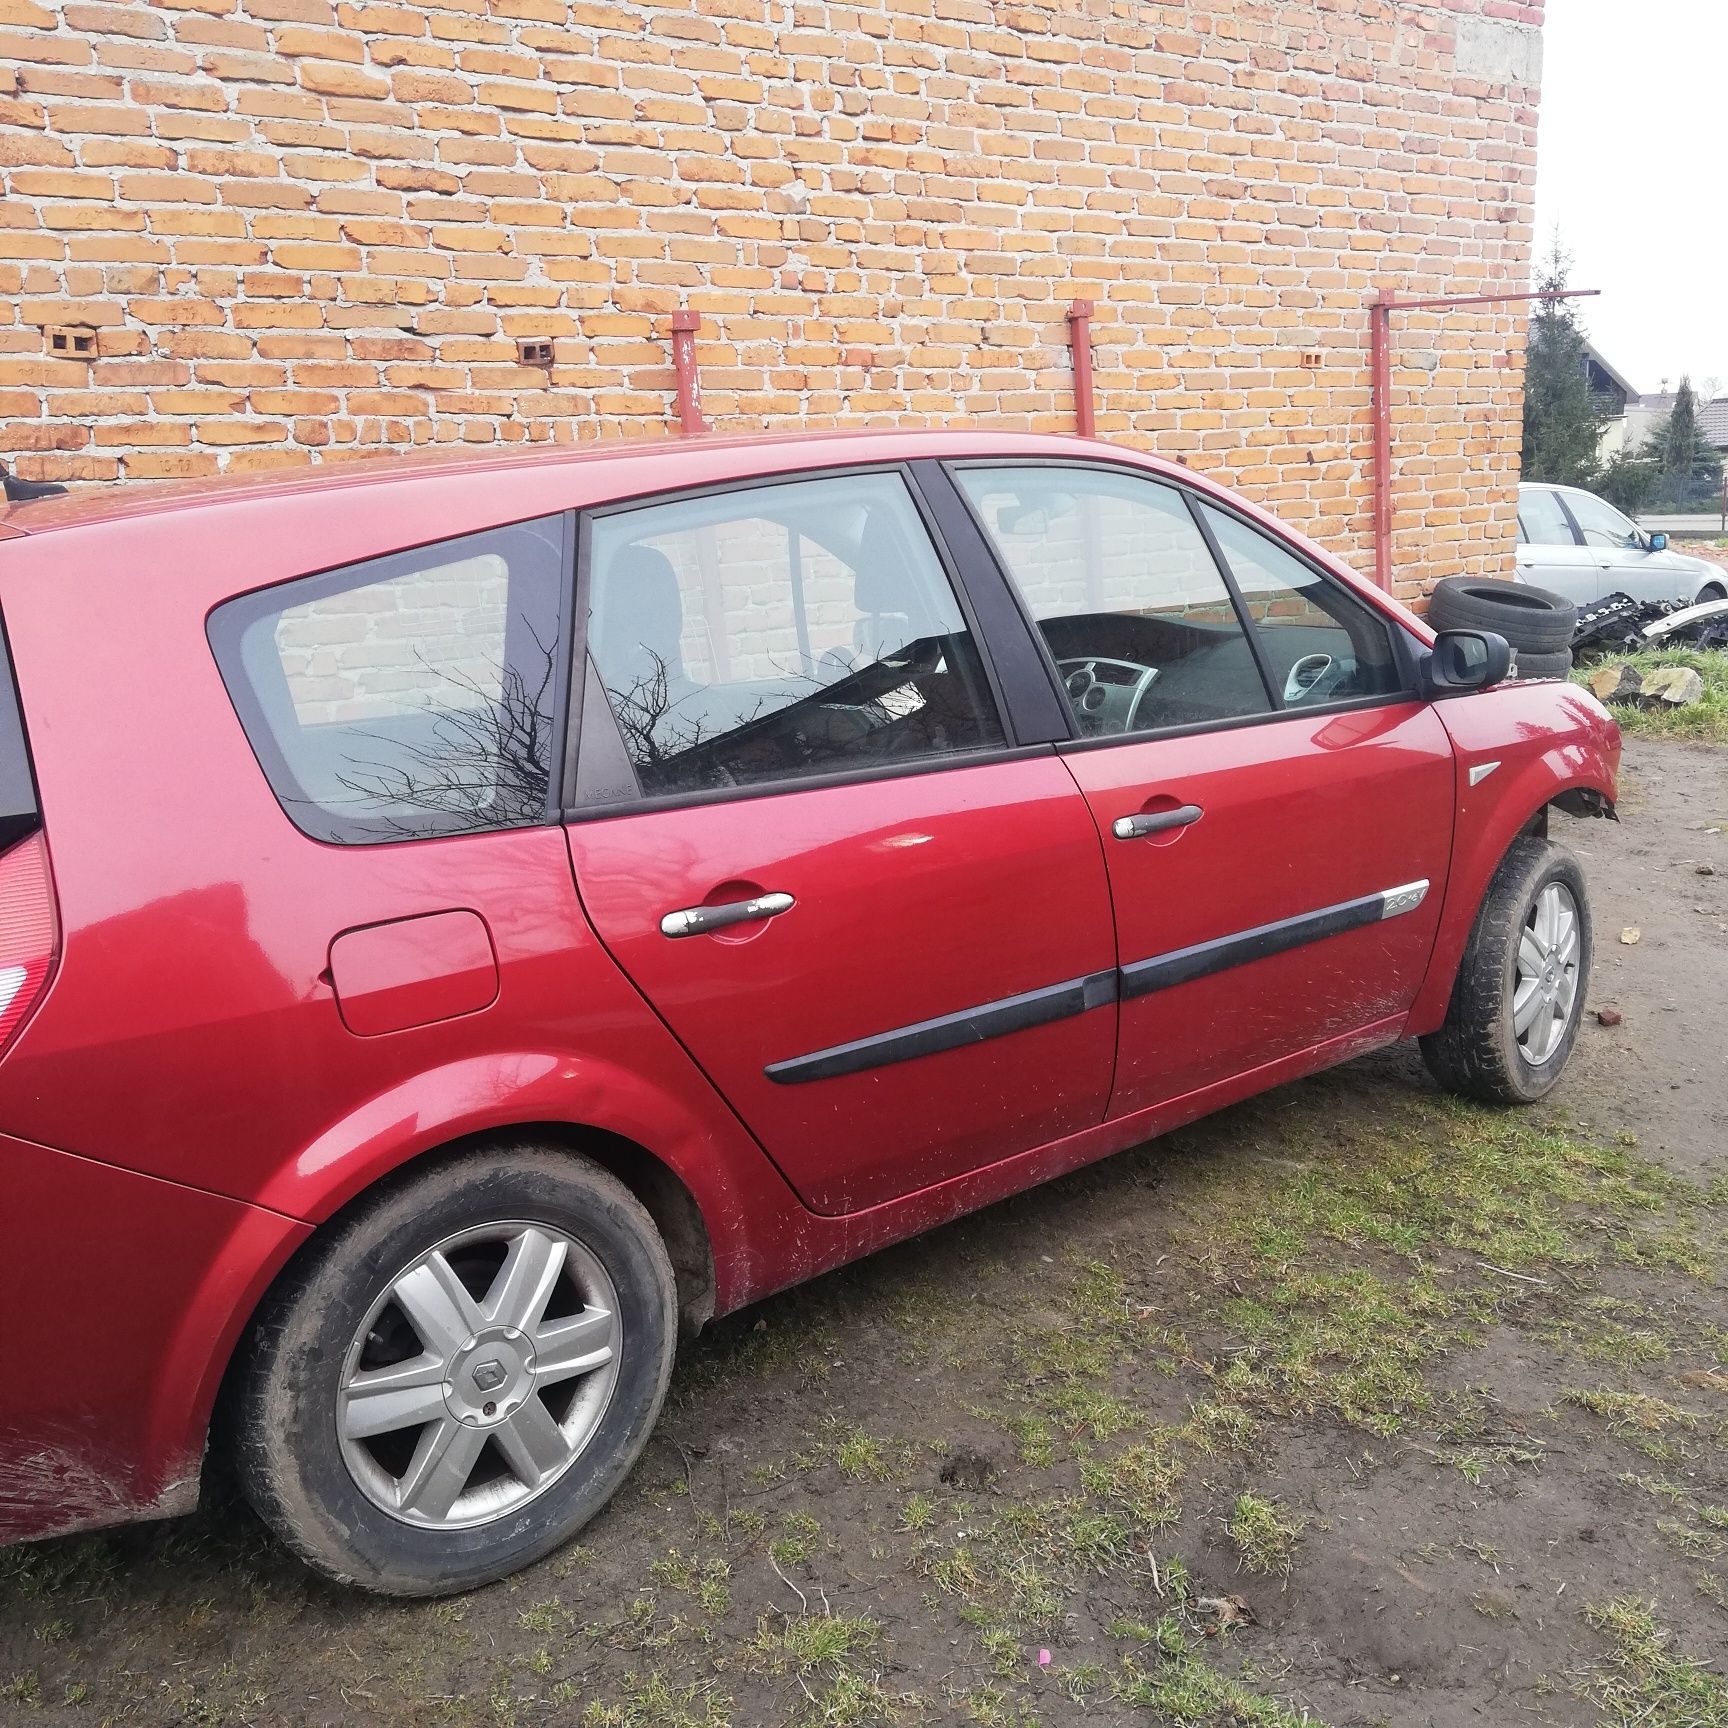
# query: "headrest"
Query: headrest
639,616
885,582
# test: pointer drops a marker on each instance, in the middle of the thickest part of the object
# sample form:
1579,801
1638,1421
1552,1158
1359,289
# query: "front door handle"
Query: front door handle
699,920
1154,822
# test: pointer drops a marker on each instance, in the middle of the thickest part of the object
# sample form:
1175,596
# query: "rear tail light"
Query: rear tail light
27,931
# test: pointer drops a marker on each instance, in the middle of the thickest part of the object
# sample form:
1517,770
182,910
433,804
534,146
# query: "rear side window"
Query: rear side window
409,696
768,633
1541,521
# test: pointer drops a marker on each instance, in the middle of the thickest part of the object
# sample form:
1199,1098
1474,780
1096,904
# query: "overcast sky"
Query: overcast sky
1632,165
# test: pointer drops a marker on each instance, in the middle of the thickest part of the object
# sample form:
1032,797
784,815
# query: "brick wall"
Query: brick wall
300,229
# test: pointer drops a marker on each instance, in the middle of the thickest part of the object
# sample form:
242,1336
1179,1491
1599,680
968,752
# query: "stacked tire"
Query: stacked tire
1537,623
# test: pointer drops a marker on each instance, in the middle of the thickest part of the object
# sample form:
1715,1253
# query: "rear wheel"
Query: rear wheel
459,1376
1519,996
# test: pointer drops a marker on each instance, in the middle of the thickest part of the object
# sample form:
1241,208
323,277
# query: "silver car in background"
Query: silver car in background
1580,546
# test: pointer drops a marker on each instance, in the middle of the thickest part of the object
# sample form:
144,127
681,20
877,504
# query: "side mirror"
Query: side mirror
1464,660
1658,542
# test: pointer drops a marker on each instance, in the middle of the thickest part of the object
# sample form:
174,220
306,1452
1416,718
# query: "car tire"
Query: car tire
1529,618
1710,591
1528,665
1479,1051
488,1282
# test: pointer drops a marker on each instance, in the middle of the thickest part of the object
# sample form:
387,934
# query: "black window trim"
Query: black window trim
1559,498
1405,648
222,635
20,795
585,801
1275,703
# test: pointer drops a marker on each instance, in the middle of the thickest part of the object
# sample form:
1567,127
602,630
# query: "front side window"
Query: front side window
1541,521
777,631
409,696
1320,643
1120,581
1601,524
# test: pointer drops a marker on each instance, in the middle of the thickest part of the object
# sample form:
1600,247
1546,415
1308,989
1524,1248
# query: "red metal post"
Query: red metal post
1380,368
1080,340
1380,311
684,326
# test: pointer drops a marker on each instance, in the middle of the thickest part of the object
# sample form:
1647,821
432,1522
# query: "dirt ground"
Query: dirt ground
1350,1405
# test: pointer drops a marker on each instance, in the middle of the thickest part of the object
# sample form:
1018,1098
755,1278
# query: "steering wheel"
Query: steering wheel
1105,693
1314,678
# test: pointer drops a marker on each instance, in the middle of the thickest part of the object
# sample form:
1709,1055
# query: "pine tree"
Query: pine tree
1686,468
1625,480
1562,420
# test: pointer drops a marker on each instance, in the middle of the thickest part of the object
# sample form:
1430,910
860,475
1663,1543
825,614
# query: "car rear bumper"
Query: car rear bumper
120,1299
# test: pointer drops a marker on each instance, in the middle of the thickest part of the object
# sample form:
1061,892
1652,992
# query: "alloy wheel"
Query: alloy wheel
1545,977
479,1375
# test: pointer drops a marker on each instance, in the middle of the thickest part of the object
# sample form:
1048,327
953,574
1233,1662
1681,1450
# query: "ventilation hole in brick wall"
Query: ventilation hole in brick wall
73,343
1311,358
534,350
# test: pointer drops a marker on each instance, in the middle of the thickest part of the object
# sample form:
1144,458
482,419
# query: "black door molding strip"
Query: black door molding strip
1096,989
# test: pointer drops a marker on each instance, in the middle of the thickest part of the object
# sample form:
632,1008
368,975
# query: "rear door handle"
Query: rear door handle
1154,822
699,920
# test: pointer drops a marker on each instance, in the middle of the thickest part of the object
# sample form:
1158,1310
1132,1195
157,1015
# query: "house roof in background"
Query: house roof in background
1597,360
1713,421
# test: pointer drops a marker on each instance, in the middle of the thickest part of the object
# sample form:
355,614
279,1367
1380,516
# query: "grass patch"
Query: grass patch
655,1702
1643,1682
1175,1681
1265,1535
1705,719
1628,1411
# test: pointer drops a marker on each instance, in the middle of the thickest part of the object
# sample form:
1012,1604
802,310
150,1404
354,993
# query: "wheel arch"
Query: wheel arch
1475,860
662,1192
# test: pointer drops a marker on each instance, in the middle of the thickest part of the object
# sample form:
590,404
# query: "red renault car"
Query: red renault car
459,920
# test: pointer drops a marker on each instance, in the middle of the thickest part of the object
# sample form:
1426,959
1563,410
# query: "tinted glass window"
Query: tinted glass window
1601,524
771,632
17,784
407,696
1541,521
1122,585
1321,644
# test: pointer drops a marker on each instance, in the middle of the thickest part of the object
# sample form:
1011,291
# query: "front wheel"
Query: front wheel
458,1376
1521,985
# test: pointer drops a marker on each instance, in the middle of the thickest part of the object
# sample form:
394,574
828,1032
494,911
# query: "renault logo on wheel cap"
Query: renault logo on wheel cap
488,1375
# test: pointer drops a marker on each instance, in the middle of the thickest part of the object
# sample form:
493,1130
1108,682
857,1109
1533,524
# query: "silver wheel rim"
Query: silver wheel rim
1545,975
479,1375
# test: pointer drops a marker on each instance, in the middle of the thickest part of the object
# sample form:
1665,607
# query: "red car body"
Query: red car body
189,1095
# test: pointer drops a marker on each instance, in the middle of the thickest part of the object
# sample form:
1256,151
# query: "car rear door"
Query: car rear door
1550,554
818,820
1276,811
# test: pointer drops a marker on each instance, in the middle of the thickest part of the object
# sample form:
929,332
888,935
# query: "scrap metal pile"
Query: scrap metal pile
1618,624
1621,625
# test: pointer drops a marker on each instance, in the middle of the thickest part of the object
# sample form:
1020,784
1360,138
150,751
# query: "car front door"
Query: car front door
1276,811
809,830
1621,552
1550,554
